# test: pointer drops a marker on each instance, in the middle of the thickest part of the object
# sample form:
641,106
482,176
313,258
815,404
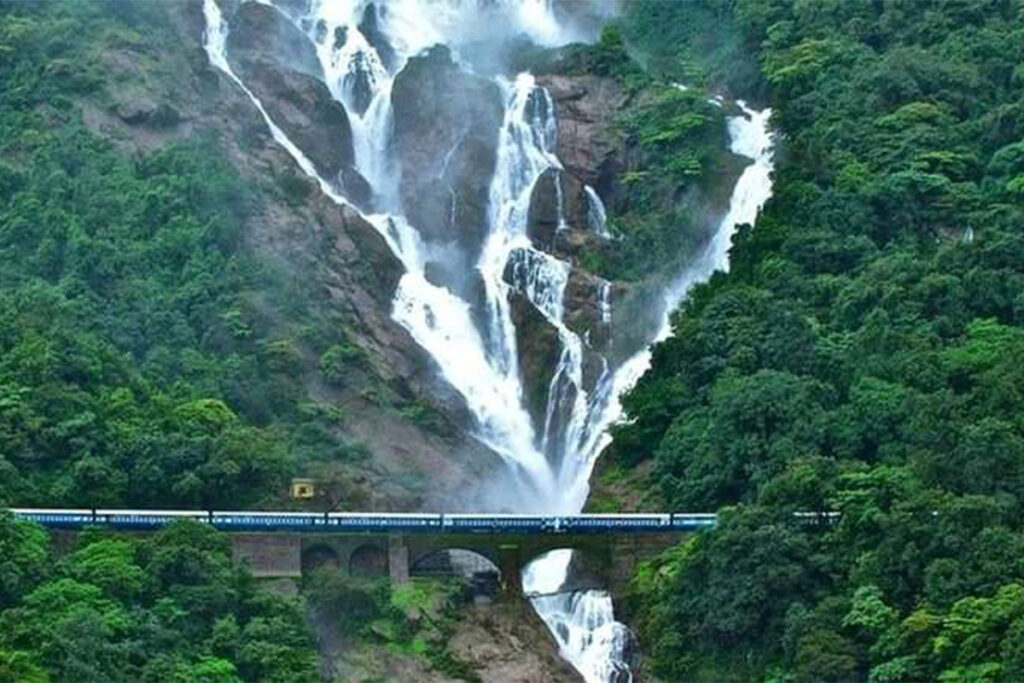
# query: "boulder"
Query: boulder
356,188
261,32
591,150
143,111
374,255
446,124
543,215
358,84
304,109
586,296
539,347
279,64
569,245
370,29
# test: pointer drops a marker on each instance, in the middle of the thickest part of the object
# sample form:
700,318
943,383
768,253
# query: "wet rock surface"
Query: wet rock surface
370,28
538,347
303,108
545,209
498,643
446,124
331,250
589,147
584,294
260,31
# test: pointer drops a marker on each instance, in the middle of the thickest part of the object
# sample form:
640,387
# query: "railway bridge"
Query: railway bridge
600,560
290,545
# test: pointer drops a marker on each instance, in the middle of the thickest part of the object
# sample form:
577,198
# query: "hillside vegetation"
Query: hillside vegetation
863,355
148,355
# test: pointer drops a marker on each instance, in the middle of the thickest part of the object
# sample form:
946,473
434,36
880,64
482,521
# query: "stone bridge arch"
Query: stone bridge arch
453,562
319,556
584,569
422,549
606,559
368,560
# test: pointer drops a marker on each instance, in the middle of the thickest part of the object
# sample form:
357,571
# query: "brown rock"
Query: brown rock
259,31
304,109
583,313
539,347
589,147
543,215
446,134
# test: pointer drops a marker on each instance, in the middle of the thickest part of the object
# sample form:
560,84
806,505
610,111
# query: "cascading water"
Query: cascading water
584,622
550,463
597,218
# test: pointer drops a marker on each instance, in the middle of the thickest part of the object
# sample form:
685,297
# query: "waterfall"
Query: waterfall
597,218
550,457
584,622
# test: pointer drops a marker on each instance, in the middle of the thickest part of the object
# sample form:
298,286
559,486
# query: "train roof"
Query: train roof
619,515
51,511
164,513
465,515
265,513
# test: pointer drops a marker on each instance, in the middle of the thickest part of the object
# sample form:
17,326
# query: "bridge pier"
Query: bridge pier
269,556
511,572
398,559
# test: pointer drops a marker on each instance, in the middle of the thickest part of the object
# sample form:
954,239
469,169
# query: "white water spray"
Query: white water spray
584,622
597,218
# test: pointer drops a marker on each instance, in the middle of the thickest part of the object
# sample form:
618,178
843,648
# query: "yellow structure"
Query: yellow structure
303,488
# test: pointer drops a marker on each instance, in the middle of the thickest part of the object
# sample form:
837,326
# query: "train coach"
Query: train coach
690,521
56,518
506,523
147,519
383,521
267,521
597,523
363,522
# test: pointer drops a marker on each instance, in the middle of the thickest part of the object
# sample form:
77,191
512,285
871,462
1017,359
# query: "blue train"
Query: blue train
371,522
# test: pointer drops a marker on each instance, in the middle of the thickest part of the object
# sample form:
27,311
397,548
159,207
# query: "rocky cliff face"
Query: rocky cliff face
560,219
446,128
329,249
498,643
446,124
589,147
279,64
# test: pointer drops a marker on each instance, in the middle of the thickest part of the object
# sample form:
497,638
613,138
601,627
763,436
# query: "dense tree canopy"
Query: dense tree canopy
148,356
863,355
170,608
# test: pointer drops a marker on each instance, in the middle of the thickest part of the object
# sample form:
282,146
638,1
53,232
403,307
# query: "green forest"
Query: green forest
169,609
862,356
145,361
147,356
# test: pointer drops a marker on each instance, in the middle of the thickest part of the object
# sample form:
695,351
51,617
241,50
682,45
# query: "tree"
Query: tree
24,558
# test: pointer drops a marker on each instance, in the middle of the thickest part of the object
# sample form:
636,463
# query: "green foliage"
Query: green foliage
694,42
608,57
861,356
147,357
23,548
339,359
674,156
426,416
675,138
154,610
416,618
